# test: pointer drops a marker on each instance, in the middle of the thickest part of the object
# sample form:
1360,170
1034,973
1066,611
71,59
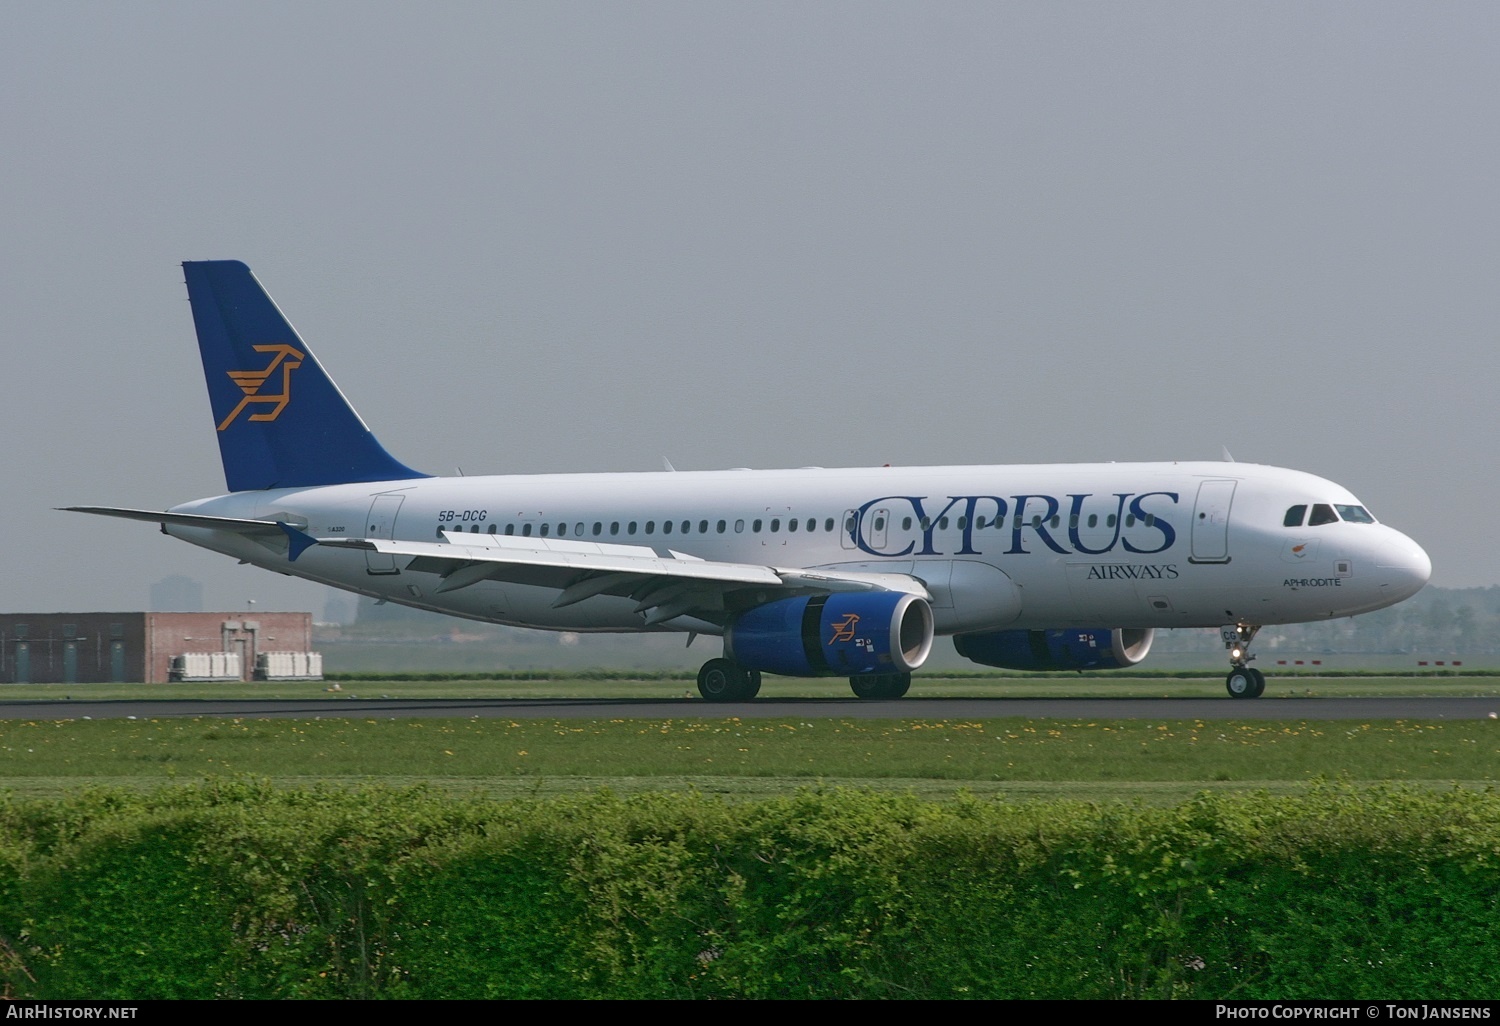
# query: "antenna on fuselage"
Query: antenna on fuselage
1225,450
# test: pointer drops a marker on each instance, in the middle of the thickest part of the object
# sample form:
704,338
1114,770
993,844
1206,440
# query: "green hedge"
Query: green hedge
241,890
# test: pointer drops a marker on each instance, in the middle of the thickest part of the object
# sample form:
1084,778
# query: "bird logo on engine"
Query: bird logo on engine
843,630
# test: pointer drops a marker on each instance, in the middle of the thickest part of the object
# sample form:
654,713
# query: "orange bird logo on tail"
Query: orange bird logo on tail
251,382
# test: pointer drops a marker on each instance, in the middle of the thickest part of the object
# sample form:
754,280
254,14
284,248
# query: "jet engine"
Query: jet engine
1068,648
840,635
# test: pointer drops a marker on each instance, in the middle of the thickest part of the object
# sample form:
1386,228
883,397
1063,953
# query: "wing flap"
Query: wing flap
664,583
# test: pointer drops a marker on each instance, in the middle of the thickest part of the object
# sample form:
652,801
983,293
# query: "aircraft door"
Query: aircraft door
1211,522
381,525
849,536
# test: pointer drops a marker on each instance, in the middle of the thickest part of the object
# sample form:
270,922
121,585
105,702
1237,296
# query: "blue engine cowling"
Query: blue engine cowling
1068,648
845,634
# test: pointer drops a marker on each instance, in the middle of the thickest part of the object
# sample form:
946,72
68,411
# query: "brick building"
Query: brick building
69,648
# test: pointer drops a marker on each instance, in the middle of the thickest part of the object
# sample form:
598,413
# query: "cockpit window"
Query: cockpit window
1355,514
1322,513
1294,516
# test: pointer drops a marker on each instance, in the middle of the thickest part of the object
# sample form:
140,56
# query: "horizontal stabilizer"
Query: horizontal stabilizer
151,516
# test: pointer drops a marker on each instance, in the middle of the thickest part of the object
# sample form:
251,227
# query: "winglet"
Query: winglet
281,421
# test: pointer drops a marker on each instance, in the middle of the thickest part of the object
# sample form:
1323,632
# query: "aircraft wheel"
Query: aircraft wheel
724,680
752,688
1241,682
1260,682
880,685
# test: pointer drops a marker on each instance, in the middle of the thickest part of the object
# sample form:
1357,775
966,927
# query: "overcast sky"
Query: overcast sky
564,236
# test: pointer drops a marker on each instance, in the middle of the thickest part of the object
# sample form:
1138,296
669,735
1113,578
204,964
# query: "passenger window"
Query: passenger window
545,529
666,527
1130,520
1093,520
687,527
1294,516
703,527
1072,521
1055,521
791,525
880,523
942,523
510,529
562,530
720,527
630,527
775,524
490,529
1150,519
1110,522
651,527
1322,513
849,522
905,524
526,530
614,527
755,526
828,525
598,528
577,530
739,527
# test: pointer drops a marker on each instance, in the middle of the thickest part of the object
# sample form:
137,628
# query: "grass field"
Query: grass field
1152,761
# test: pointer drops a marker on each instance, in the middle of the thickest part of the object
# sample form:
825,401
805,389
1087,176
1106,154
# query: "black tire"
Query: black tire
752,687
880,685
1241,682
1260,682
724,680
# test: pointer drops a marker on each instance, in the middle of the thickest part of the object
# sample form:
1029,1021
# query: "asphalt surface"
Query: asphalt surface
1378,708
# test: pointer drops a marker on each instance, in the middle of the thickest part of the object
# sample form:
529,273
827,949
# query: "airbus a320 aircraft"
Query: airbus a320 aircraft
810,572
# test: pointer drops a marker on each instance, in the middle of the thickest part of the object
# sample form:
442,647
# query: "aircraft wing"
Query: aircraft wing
665,583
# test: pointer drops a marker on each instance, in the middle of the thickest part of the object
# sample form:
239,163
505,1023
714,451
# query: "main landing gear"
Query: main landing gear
724,680
881,685
1244,681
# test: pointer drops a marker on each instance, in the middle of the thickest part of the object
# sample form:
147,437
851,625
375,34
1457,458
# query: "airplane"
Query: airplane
811,572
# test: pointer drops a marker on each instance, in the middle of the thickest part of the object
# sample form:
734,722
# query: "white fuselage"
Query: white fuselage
1117,545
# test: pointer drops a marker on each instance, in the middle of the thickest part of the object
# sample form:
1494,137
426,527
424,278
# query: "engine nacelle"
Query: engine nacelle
842,635
1069,648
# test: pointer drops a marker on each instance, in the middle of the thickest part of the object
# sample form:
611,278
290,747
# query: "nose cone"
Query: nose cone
1402,565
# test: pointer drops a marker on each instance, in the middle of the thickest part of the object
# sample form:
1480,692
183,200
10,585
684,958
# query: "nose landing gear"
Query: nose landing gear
1244,681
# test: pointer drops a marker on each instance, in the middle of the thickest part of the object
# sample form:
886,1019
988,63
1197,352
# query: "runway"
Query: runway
1375,708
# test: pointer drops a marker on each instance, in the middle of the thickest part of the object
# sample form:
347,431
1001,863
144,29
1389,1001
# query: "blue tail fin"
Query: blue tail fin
282,423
